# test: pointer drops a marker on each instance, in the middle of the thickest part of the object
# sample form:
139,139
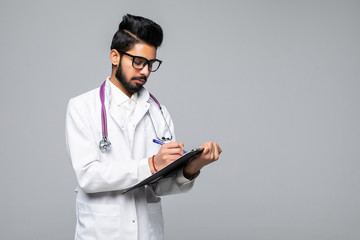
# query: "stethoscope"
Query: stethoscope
104,143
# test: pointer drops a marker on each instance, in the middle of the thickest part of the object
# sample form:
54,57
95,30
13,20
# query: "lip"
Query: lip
139,81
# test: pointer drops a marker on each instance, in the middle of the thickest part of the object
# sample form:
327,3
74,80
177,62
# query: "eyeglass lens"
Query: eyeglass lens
140,63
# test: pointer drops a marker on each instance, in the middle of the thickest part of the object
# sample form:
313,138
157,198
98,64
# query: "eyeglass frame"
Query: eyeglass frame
147,62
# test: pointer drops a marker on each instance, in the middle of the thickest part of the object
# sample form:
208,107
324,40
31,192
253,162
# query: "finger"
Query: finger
172,145
216,151
182,149
179,147
211,146
218,148
174,151
206,150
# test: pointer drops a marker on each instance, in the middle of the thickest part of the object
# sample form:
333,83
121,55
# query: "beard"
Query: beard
127,84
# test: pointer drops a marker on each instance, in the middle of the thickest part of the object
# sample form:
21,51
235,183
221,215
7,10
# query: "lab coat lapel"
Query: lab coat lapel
142,106
114,109
116,115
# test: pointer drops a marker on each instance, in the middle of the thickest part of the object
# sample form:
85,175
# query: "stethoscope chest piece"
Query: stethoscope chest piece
104,144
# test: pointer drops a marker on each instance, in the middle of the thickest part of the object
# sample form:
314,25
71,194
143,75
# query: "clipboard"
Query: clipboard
181,161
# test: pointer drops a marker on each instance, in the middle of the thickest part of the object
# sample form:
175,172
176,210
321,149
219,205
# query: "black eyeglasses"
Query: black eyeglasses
140,62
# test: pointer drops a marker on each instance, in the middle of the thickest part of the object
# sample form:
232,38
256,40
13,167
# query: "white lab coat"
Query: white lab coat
102,212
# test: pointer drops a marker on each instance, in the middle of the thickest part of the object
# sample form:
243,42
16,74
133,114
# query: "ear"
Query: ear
114,57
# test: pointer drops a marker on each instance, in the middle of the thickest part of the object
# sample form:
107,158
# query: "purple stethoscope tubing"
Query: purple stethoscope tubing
156,101
103,111
104,144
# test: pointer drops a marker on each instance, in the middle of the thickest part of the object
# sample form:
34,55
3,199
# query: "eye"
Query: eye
139,62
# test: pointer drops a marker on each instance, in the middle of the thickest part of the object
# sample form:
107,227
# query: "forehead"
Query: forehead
143,50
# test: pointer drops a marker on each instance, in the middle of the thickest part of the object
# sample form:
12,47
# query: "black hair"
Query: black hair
136,29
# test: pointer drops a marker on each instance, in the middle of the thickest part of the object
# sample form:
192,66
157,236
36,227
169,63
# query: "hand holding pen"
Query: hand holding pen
162,143
168,153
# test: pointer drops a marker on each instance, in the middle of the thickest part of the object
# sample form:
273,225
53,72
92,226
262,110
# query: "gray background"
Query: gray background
276,83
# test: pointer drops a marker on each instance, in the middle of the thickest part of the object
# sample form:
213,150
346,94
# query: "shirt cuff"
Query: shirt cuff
180,179
143,169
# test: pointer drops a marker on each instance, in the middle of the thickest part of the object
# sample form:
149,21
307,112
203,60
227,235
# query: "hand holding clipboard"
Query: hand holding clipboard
180,162
207,153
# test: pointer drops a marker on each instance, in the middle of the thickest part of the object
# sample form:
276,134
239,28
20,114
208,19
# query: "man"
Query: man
123,110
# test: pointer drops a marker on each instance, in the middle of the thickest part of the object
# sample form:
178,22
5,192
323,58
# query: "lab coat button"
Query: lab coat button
133,221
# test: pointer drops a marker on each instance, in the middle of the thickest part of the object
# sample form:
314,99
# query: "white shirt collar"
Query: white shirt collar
120,97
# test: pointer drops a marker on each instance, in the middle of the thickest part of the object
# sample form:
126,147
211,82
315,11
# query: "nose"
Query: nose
145,71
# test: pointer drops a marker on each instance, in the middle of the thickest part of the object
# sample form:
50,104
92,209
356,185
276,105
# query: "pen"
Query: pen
162,143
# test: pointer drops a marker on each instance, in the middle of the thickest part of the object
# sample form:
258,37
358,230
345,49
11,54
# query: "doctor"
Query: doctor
124,113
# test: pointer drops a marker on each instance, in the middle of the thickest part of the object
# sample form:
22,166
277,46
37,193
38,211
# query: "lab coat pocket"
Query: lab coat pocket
156,219
98,221
153,201
155,209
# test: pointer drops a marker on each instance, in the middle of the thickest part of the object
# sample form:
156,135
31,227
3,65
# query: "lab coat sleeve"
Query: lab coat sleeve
93,173
174,184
